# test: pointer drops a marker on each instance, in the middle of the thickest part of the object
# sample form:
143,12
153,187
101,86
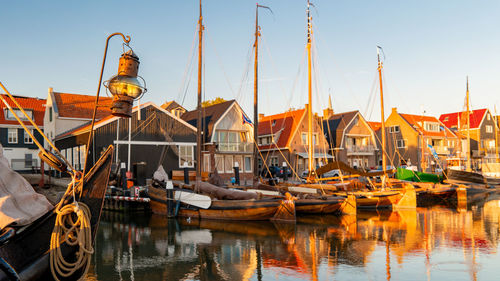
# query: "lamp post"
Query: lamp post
124,87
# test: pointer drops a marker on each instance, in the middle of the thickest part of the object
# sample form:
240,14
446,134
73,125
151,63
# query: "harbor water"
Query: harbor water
435,243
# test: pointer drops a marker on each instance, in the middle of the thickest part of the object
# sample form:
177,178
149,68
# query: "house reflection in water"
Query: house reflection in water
423,244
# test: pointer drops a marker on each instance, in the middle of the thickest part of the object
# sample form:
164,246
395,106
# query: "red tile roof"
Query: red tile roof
453,119
81,106
35,104
415,121
375,125
287,122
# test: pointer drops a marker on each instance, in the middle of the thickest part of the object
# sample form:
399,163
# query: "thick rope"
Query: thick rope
73,228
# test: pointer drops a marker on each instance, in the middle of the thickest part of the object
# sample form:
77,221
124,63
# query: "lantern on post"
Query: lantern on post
125,86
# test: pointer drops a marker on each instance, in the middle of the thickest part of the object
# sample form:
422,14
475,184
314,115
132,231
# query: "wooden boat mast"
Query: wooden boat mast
468,167
198,122
255,99
496,135
384,159
310,177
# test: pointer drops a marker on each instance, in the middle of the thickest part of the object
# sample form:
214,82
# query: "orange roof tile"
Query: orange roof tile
415,121
375,125
285,122
28,103
81,106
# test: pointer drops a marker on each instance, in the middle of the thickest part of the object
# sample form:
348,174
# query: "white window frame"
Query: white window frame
27,137
249,167
12,136
489,129
398,142
183,158
273,160
394,129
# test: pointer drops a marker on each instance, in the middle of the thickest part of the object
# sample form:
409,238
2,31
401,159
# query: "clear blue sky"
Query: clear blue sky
430,47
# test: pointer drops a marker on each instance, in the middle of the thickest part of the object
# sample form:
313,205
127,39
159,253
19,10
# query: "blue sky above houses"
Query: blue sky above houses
430,47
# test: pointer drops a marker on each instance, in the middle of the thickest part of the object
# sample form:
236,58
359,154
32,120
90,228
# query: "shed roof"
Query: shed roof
81,106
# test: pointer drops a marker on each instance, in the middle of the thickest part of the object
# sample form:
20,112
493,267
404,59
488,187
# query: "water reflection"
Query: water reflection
424,244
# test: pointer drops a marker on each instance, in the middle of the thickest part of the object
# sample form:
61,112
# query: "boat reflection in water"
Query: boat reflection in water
423,244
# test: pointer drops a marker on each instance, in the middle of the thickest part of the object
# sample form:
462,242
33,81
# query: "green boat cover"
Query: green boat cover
409,175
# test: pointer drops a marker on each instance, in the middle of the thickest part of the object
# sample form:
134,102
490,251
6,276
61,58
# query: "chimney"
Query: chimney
261,115
50,90
394,110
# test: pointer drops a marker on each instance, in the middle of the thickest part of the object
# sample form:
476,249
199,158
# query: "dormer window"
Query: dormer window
431,126
274,123
10,116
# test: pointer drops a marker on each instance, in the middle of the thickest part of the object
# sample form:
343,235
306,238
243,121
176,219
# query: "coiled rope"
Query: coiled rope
72,227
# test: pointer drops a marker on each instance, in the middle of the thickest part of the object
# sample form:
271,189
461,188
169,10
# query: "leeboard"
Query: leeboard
197,200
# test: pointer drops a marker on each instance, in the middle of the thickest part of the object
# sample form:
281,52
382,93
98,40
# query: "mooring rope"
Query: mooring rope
73,228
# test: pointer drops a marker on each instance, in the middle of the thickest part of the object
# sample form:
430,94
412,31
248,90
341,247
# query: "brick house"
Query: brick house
482,133
226,136
283,138
351,139
409,137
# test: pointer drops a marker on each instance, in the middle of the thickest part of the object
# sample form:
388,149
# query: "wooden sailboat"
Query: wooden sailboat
389,194
28,252
224,204
314,204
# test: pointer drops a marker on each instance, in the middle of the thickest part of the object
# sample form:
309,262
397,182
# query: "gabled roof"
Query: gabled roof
82,129
28,103
170,105
210,115
81,106
460,118
335,125
416,120
283,123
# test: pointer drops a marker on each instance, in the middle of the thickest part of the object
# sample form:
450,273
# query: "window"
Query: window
206,163
394,129
228,163
274,122
248,164
12,136
229,140
186,156
82,156
50,114
76,157
431,127
27,137
401,143
273,161
219,163
10,116
489,117
489,129
305,139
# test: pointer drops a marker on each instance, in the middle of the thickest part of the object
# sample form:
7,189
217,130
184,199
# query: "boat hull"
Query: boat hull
28,251
246,210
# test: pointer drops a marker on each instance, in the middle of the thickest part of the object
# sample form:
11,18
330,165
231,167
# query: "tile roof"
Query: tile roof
28,103
210,116
284,123
415,120
375,125
456,118
81,106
